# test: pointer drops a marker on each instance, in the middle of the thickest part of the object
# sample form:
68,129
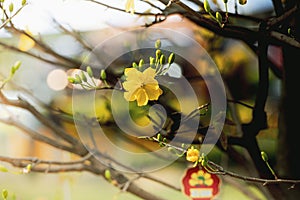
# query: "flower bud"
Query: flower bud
219,17
242,2
162,59
158,53
159,137
15,67
264,156
11,7
107,174
4,194
151,61
103,74
83,77
3,169
141,63
77,79
158,44
89,71
71,80
24,2
134,65
171,58
225,1
206,6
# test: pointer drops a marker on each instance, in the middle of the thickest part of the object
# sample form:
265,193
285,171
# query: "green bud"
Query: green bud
151,60
134,65
264,156
11,7
204,161
29,167
15,67
71,79
225,1
1,1
162,59
159,137
171,58
4,194
77,79
206,6
3,169
242,2
219,17
158,53
89,71
83,77
141,63
24,2
103,74
158,44
107,174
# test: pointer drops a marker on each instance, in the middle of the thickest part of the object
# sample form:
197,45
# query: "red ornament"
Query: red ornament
198,184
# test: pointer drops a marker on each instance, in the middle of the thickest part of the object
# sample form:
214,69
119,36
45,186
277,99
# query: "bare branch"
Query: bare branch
22,103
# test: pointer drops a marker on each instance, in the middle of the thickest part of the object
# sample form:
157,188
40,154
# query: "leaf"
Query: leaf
25,42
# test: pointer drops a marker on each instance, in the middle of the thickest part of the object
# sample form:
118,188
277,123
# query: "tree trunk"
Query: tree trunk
288,165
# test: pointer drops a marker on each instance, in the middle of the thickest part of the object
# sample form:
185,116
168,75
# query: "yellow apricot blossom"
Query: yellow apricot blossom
192,154
141,86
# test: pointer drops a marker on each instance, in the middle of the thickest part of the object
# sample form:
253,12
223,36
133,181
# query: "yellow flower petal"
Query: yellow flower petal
153,91
142,97
149,72
131,95
141,86
131,85
127,70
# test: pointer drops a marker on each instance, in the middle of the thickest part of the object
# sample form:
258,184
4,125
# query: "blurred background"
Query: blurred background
47,83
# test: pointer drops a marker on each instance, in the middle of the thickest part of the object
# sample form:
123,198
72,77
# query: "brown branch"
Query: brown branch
123,10
8,20
28,53
22,103
46,166
217,169
221,171
75,35
37,136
